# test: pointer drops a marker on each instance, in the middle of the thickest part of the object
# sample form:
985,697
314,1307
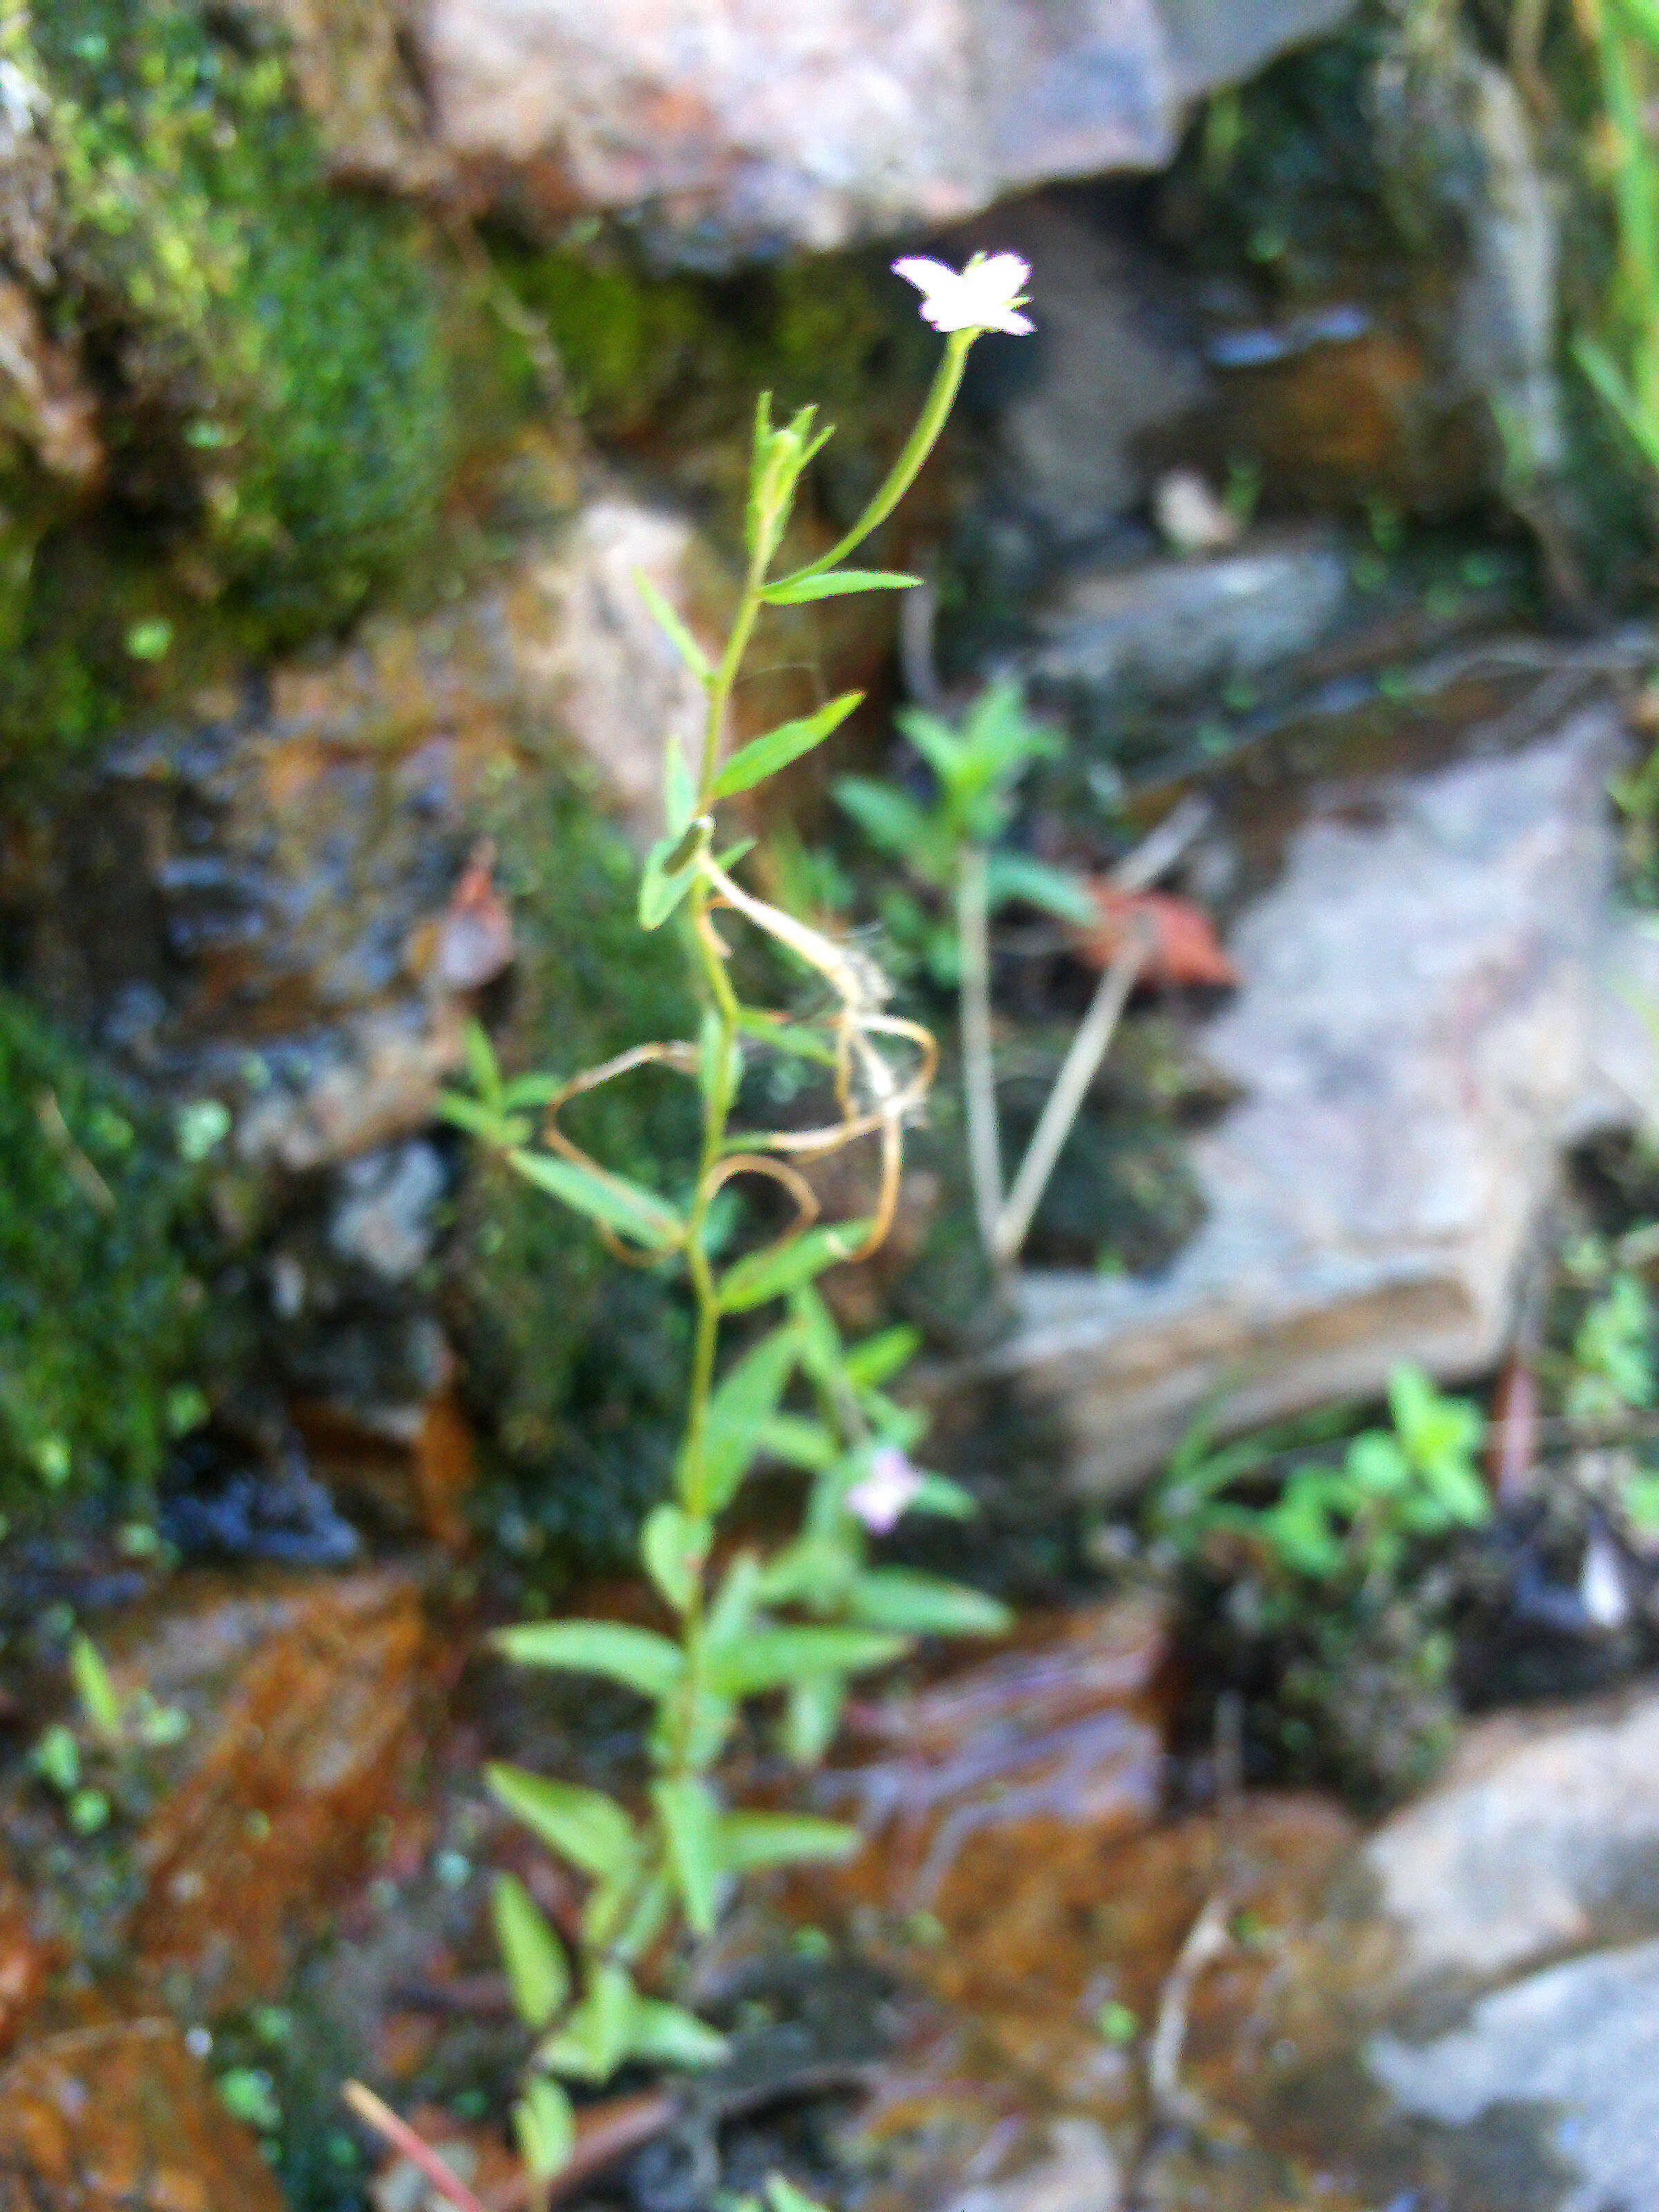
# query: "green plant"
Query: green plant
1317,1586
1351,1523
949,845
114,1729
1624,366
746,1625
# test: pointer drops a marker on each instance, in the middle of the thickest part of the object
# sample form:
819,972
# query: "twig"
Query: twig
81,1170
978,1067
1158,851
404,2141
1065,1102
1175,2104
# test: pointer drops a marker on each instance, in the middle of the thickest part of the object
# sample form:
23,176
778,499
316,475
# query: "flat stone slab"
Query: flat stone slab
1425,1018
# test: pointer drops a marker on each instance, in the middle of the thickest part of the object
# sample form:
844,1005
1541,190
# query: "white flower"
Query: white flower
892,1485
983,296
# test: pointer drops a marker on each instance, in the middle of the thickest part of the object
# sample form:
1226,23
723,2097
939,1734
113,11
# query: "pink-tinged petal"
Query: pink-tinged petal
881,1498
1016,325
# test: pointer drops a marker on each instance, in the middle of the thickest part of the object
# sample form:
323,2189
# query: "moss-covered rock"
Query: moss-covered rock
102,1317
289,373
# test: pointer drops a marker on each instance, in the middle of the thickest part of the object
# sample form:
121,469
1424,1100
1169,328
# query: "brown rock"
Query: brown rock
44,400
301,1756
1002,1787
25,1961
123,2119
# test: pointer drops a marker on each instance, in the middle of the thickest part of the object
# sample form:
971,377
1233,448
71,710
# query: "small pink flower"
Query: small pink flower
983,296
882,1496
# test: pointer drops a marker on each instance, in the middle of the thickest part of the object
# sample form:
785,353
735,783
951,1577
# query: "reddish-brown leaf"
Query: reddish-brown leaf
1184,947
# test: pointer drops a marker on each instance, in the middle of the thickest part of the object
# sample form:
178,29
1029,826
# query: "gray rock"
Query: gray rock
1542,1835
729,128
1413,1040
1164,629
384,1216
1539,1842
1581,2041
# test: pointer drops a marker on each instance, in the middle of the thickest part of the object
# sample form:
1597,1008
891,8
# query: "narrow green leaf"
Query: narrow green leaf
772,1658
624,1207
878,1358
783,2196
673,1548
691,1824
1035,883
481,1062
743,1401
101,1701
546,2128
752,1840
811,1715
799,1442
531,1952
734,1610
637,1657
764,757
835,584
583,1826
922,1605
673,628
890,819
487,1123
594,2040
778,1269
667,2035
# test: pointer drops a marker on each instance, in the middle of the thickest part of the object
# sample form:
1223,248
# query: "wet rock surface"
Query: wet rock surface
302,1696
1414,1042
733,130
122,2115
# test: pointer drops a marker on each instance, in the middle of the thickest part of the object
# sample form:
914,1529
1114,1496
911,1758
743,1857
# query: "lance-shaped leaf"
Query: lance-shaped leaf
781,1268
637,1657
800,1443
812,1715
673,628
752,1840
595,2038
627,1208
673,1548
762,757
835,584
667,2035
743,1401
532,1954
772,1658
922,1605
878,1358
583,1826
691,1826
546,2130
1035,883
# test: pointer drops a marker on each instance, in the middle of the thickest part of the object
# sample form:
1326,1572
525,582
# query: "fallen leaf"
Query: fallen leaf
475,935
1184,946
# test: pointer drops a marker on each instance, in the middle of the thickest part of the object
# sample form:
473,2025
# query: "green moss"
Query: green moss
290,373
674,362
575,1364
101,1318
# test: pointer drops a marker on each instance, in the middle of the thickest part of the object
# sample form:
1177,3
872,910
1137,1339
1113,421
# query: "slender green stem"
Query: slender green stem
978,1065
947,381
